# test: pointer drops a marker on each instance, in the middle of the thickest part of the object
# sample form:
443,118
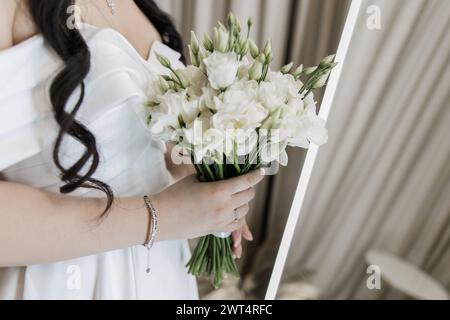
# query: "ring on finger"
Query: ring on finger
236,216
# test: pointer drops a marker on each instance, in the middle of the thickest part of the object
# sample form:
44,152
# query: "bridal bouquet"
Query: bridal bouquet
231,113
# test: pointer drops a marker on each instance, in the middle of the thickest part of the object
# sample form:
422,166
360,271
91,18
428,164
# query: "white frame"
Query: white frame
311,156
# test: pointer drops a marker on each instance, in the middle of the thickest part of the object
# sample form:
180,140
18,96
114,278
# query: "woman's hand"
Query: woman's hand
243,232
191,209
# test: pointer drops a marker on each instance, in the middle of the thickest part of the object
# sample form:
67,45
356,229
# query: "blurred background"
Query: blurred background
380,191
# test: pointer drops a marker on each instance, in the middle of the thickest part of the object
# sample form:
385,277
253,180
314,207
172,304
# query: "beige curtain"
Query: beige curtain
383,180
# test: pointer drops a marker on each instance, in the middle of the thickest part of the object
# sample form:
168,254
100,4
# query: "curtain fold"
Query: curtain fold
381,181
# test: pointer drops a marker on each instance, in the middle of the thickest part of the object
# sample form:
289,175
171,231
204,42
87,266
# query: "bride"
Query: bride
76,161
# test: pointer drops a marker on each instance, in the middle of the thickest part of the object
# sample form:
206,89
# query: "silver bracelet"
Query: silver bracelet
154,230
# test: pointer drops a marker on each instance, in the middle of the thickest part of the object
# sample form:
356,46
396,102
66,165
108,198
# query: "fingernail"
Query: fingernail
262,171
234,256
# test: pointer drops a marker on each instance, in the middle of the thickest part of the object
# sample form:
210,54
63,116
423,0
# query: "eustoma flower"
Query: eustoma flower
222,69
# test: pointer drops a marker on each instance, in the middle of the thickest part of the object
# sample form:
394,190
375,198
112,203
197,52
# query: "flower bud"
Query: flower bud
298,72
327,60
321,81
222,27
268,48
262,58
221,38
194,59
163,60
200,59
231,19
254,50
208,43
244,48
195,46
287,68
152,104
249,23
164,84
256,70
309,71
332,65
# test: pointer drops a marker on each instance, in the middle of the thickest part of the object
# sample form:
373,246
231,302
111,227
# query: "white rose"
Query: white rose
222,69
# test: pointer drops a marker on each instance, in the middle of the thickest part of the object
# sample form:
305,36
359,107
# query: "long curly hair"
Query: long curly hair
50,18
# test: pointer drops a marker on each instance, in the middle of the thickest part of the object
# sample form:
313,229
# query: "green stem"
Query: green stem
180,82
209,171
236,160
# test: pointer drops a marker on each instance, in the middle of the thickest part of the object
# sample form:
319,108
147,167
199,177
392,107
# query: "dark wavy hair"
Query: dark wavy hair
50,17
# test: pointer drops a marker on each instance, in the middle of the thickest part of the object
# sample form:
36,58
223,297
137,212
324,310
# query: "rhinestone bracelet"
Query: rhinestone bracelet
152,229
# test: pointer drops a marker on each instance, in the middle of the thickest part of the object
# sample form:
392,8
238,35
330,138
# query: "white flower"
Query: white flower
207,99
274,152
247,118
238,97
193,79
308,128
174,111
243,71
154,90
272,147
279,90
239,127
194,132
270,96
222,69
286,83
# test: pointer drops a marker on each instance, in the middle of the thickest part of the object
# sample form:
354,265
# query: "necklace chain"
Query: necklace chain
112,6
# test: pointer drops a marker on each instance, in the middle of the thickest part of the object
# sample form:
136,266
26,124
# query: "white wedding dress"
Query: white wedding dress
131,163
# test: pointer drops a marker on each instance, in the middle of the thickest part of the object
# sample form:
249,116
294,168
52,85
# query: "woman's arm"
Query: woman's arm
38,227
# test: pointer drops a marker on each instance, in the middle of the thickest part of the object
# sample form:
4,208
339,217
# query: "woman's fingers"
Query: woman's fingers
243,197
237,242
246,233
238,252
242,183
243,232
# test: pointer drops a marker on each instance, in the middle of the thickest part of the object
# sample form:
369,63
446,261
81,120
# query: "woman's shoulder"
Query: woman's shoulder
16,24
7,13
